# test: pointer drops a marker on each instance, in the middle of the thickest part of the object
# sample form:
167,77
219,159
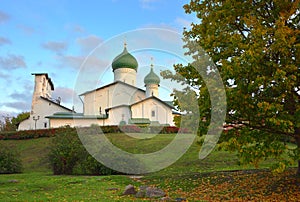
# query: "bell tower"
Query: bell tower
43,87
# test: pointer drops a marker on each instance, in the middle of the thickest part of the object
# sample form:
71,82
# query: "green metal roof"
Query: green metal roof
67,115
139,121
152,78
124,60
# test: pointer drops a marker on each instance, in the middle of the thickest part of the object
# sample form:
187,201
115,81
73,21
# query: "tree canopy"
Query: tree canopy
12,123
254,45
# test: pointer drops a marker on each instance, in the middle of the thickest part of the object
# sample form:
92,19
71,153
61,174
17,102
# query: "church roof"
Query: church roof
156,98
70,115
111,84
55,103
151,78
117,106
124,60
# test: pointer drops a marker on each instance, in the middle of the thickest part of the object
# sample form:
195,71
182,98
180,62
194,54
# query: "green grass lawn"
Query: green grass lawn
46,187
186,178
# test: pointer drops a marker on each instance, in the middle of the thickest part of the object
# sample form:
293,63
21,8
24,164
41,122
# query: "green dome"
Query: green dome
124,60
151,78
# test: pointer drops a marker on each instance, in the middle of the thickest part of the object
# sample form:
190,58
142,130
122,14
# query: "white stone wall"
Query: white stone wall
126,75
55,123
154,110
113,95
116,115
42,108
152,90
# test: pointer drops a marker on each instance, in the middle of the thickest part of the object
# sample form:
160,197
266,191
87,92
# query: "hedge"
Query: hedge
30,134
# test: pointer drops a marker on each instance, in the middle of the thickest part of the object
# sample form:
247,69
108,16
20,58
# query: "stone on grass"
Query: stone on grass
13,181
153,192
166,198
180,199
129,190
142,192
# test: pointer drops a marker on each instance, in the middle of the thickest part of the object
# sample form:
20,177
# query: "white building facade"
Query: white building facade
119,102
42,105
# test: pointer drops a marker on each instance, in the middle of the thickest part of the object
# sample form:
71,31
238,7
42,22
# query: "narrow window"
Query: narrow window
153,113
45,125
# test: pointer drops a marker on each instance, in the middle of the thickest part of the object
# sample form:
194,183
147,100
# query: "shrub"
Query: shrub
169,129
90,166
68,156
64,152
130,129
10,161
29,134
110,129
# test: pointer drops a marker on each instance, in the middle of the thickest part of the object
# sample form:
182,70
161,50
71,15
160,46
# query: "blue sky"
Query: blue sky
58,36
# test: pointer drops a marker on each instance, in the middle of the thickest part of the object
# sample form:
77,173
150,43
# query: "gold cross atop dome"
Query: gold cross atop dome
125,44
151,65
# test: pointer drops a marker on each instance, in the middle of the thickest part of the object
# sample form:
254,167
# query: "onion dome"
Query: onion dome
151,78
124,60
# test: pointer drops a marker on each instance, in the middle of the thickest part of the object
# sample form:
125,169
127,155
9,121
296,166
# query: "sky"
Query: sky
76,41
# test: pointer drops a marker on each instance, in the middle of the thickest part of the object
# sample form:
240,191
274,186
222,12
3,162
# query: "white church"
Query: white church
117,103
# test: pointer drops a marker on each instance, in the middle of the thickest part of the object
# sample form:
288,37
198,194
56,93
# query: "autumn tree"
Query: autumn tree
11,123
254,45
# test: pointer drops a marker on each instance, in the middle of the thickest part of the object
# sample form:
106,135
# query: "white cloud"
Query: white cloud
26,29
68,98
88,43
12,62
18,105
55,46
77,62
78,29
20,96
75,28
4,17
4,41
3,76
148,4
183,22
6,113
66,94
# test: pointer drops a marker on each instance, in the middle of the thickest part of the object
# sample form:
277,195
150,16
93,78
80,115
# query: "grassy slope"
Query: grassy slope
188,177
33,153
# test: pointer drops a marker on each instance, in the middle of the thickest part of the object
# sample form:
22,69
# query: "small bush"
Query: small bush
110,129
68,156
10,161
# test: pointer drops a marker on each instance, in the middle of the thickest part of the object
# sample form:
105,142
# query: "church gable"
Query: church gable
154,109
111,95
110,85
56,104
154,99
